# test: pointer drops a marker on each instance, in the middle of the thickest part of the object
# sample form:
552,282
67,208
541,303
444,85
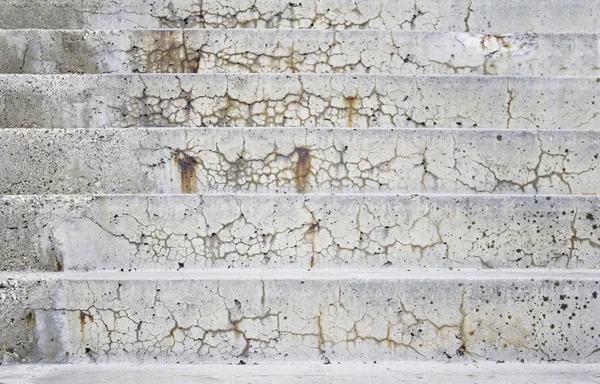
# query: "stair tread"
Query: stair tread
305,373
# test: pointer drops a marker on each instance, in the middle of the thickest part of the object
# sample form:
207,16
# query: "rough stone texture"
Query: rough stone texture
412,372
256,316
242,160
267,232
400,52
484,16
18,323
56,101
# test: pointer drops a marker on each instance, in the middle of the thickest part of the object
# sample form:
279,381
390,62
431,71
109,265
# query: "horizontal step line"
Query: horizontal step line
308,195
317,274
308,129
306,74
295,30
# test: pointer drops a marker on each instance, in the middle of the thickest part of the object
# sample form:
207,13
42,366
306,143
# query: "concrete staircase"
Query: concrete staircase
334,190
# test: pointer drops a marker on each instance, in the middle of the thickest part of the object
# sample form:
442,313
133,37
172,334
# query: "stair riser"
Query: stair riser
484,16
273,232
298,100
190,321
18,298
194,51
242,160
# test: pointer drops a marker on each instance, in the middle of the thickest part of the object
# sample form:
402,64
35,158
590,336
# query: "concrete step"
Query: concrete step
328,51
87,101
275,160
305,373
328,316
485,16
273,232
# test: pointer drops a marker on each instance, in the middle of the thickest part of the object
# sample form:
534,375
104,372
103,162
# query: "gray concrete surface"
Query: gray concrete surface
230,315
485,16
347,373
272,51
275,232
259,239
245,161
292,100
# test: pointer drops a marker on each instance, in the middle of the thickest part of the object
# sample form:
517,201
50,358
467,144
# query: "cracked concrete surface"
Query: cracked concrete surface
274,232
240,51
241,160
18,297
455,15
290,227
230,316
291,100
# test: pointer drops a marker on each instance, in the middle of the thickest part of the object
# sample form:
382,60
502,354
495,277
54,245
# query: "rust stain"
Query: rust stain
302,170
351,103
194,65
187,169
311,234
59,266
83,319
30,319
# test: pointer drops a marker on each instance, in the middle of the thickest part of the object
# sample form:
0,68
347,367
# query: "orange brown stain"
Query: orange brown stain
187,169
351,102
302,170
84,318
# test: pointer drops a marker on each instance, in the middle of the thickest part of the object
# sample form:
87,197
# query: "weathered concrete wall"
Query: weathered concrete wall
309,100
298,161
278,232
484,16
249,193
268,51
253,317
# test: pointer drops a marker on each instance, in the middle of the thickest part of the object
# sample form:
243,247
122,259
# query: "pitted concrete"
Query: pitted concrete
248,192
316,232
243,160
257,316
291,100
19,295
483,16
290,51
